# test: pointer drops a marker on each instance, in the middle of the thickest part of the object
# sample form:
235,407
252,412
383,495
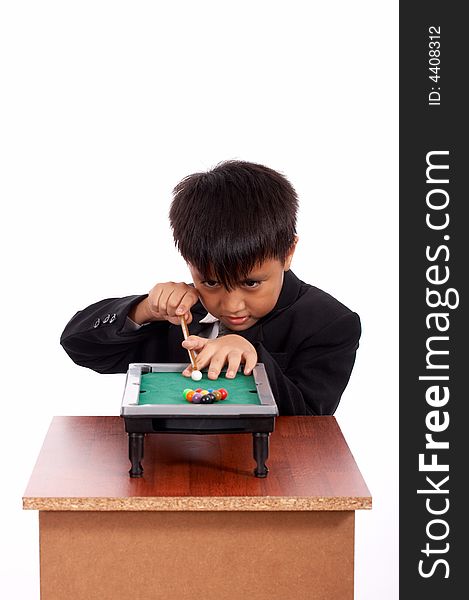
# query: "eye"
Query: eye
251,283
210,283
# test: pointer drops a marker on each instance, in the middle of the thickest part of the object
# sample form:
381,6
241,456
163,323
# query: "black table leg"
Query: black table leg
136,454
261,452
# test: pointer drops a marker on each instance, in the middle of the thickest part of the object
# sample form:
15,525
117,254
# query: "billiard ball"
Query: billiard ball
217,395
224,393
185,392
196,375
211,395
206,399
196,398
189,395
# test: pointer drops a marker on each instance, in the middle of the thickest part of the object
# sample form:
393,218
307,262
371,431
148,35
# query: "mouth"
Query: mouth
235,320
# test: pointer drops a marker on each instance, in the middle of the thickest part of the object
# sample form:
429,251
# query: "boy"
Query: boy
235,226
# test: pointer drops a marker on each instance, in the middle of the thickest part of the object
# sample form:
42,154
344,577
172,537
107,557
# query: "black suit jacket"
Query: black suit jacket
307,344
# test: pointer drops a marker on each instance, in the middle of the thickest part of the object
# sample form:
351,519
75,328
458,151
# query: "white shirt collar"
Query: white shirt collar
209,319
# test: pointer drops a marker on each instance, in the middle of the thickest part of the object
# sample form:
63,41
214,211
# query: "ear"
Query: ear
289,257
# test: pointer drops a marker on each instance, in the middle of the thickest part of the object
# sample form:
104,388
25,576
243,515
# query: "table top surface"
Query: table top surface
83,465
167,388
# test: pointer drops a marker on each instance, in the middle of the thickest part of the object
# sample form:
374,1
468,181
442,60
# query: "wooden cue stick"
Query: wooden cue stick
185,332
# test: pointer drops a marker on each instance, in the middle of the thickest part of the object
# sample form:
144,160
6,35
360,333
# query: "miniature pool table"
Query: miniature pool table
153,402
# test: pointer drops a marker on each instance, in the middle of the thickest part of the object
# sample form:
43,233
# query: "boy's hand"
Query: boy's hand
166,301
231,350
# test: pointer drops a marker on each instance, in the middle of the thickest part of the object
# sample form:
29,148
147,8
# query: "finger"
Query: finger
177,320
154,299
180,297
187,301
188,371
234,359
204,357
216,365
194,342
250,362
163,300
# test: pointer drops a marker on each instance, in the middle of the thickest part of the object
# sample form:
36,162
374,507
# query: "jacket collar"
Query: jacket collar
288,294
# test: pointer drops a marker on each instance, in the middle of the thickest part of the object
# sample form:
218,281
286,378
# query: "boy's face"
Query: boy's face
253,298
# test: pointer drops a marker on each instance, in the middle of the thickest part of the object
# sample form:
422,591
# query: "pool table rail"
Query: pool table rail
130,402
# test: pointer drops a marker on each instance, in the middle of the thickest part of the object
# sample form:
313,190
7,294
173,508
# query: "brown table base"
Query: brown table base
197,555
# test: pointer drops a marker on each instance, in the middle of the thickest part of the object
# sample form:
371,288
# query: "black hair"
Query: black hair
227,220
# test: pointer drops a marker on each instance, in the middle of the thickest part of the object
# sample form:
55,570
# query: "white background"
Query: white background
105,106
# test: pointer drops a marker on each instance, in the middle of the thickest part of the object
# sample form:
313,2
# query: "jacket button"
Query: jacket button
113,318
106,318
97,323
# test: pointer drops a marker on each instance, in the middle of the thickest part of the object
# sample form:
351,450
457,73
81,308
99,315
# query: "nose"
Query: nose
233,302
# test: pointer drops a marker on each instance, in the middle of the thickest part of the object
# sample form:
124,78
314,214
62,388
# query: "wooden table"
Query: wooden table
199,524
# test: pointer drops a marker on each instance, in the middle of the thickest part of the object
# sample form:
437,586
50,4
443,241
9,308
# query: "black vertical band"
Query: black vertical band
434,361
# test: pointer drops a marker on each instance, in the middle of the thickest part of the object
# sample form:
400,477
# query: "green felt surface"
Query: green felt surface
167,388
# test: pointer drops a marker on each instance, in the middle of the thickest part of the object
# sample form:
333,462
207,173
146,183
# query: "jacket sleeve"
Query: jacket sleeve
313,380
96,338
